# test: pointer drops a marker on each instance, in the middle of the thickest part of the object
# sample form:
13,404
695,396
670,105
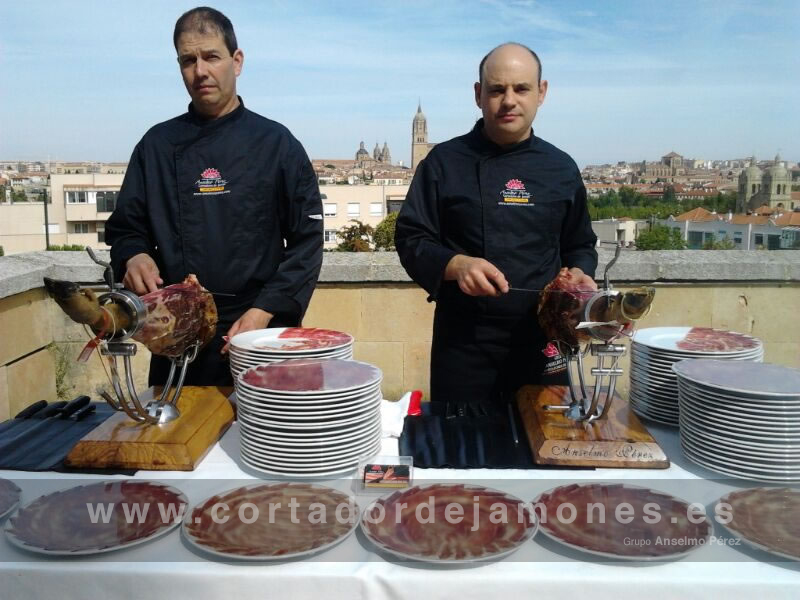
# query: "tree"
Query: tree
660,237
18,196
669,195
384,232
356,237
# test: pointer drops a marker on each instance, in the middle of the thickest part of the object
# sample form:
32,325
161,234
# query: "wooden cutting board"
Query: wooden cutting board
122,443
618,441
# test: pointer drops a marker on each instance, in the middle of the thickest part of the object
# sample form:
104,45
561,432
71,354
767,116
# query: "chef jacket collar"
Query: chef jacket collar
485,146
201,121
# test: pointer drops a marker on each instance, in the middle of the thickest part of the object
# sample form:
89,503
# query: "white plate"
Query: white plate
290,468
724,470
706,435
255,354
741,417
358,406
320,432
743,378
313,423
747,461
288,556
664,356
20,543
291,339
301,377
756,406
310,447
289,400
737,426
743,465
667,338
315,465
263,359
316,458
289,474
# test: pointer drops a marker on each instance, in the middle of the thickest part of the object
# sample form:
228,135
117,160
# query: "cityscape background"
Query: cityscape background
681,114
629,80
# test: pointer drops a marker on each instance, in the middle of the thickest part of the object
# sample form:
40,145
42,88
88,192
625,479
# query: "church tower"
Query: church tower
419,138
777,185
386,156
749,187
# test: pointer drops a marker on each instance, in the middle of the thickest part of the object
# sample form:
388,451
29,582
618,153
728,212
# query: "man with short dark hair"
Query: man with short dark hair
494,208
223,193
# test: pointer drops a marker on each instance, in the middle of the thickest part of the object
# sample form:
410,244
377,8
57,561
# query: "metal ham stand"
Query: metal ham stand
114,346
580,408
575,425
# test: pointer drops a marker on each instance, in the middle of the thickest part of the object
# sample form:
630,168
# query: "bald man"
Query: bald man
487,212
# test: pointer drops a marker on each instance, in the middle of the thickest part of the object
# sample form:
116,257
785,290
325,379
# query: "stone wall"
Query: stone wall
370,296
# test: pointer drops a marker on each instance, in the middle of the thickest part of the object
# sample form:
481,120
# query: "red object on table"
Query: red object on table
414,407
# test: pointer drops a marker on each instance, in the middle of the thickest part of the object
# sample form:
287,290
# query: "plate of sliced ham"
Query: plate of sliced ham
96,518
763,518
584,517
258,523
449,523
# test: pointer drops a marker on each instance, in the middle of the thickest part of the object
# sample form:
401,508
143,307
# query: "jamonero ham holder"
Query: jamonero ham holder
170,428
579,424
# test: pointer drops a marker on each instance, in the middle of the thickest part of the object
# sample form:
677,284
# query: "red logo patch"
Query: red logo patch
550,350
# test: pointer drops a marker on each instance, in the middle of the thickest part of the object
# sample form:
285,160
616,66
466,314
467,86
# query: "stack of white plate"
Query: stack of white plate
654,387
309,417
264,346
741,419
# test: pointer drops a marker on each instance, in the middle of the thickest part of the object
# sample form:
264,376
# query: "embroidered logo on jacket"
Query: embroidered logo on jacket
210,183
515,193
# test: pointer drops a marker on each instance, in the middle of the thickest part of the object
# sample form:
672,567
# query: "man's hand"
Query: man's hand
476,276
255,318
141,274
582,280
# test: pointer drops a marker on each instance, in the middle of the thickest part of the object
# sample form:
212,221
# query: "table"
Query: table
168,568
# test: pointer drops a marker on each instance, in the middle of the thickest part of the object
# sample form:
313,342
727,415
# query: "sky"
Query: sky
714,79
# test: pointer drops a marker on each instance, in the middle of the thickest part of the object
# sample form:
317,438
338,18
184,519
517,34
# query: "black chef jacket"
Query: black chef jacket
218,199
522,208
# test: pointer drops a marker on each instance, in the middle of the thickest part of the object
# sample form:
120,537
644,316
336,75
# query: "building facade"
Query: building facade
369,204
79,205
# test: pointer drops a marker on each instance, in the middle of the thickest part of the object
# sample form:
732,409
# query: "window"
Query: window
76,197
737,240
375,209
106,201
329,209
80,227
330,235
759,239
101,236
353,209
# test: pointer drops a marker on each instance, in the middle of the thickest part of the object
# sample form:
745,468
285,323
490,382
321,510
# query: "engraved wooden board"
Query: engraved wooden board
620,440
122,443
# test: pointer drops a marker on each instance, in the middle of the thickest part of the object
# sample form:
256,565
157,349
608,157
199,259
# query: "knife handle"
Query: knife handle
51,410
26,413
74,406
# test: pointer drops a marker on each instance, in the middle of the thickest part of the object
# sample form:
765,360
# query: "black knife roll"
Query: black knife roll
466,436
41,439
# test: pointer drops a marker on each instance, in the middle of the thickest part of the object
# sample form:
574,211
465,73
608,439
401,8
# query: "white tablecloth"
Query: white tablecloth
168,568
